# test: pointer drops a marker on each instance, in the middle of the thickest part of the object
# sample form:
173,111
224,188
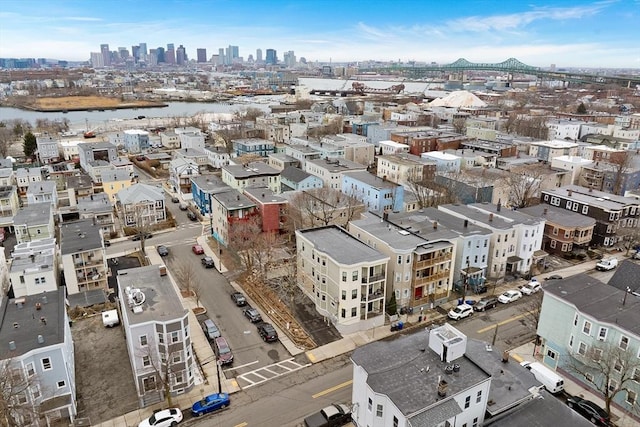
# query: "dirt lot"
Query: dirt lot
103,372
85,102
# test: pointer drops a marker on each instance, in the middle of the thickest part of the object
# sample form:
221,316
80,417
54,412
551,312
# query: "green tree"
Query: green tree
30,145
581,109
392,306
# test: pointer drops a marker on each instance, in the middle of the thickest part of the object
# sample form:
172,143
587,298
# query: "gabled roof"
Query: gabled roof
626,276
139,193
294,174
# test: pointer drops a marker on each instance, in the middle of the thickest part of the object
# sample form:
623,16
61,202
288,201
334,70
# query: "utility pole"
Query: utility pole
218,367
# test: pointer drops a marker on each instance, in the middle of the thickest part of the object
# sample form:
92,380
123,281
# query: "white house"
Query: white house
34,267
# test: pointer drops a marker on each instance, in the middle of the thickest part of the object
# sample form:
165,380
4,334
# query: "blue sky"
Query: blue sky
602,34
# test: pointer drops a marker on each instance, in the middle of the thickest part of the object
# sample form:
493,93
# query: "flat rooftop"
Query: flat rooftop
79,236
341,246
161,302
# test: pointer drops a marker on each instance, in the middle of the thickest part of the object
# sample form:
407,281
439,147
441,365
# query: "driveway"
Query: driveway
104,378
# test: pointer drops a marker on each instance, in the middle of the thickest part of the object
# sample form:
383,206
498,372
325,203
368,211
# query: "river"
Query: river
80,119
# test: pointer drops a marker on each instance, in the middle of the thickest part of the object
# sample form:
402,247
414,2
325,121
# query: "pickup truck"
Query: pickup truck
607,264
334,415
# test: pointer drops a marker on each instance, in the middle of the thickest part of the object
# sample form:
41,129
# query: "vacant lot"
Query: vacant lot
103,373
86,102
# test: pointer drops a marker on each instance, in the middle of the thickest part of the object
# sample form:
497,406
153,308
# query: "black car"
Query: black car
208,262
252,314
138,236
192,216
239,299
553,277
174,199
485,304
163,250
589,410
107,243
267,332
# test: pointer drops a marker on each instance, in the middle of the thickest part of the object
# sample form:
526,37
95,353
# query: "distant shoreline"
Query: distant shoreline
65,104
66,110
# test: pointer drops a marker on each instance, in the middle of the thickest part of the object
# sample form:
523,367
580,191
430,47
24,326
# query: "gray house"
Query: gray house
38,355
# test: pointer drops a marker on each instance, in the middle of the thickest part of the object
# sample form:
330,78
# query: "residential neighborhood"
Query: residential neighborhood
459,251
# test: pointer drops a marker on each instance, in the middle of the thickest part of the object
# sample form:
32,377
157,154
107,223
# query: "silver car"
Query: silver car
211,329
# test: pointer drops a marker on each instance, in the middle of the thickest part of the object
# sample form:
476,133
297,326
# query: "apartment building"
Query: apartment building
36,333
344,277
281,161
392,147
445,162
562,129
377,194
48,151
181,171
331,171
98,209
43,192
93,151
421,269
217,156
257,146
9,204
271,207
230,209
545,151
422,141
600,327
405,169
516,240
26,176
34,222
255,174
203,187
114,181
83,258
141,205
34,268
302,152
136,141
190,138
158,334
294,179
610,211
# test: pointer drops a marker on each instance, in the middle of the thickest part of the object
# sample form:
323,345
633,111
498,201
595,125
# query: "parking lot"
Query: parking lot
104,379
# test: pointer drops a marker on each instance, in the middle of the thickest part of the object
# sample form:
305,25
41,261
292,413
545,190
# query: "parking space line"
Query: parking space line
504,322
242,366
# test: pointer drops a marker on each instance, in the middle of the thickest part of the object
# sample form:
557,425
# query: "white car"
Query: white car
510,296
460,312
163,418
531,288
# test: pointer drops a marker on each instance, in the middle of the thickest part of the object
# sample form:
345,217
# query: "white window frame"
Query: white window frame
631,398
612,381
30,369
584,326
582,345
63,382
44,365
379,410
602,337
143,340
626,346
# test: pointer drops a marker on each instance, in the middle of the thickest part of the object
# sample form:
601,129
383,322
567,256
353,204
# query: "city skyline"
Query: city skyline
600,34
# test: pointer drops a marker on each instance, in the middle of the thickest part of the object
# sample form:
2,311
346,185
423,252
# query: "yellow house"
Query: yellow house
114,181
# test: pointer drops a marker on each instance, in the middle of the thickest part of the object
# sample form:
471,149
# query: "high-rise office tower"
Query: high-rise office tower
233,53
290,59
258,55
96,60
143,50
272,57
170,56
160,55
123,53
201,53
171,46
135,52
106,55
181,55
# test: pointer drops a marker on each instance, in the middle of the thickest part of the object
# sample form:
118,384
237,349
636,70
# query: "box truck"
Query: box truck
549,378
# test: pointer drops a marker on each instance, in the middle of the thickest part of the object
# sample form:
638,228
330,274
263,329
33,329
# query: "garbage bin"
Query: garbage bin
420,318
460,301
400,325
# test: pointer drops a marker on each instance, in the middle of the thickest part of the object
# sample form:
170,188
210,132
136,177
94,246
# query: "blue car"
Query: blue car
211,403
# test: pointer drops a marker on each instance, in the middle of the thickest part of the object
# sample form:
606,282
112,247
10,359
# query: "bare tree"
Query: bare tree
186,277
629,237
16,407
242,236
263,251
430,194
6,139
321,207
532,309
250,114
610,369
621,164
524,185
459,124
167,364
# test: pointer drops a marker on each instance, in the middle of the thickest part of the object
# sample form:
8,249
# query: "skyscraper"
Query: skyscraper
290,59
201,54
272,57
181,55
135,52
143,50
258,55
106,55
221,56
160,55
233,53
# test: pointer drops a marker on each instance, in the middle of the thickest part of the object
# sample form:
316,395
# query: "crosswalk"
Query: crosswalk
269,372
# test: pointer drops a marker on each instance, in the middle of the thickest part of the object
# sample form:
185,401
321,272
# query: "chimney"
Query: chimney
544,212
569,192
490,217
466,223
498,206
442,388
38,306
12,345
163,270
40,339
435,225
43,320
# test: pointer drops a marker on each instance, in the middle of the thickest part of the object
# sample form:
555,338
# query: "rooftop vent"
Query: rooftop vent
12,345
442,388
16,325
43,320
40,339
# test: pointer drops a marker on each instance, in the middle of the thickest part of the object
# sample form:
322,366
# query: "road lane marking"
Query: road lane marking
241,425
332,389
242,366
504,322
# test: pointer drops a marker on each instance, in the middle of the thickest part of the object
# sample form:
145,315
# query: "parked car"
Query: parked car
192,216
337,414
163,418
267,332
139,236
607,264
460,312
636,255
183,206
174,199
208,262
589,410
197,249
531,288
211,329
223,351
239,299
252,314
554,277
107,243
510,296
485,304
162,250
211,403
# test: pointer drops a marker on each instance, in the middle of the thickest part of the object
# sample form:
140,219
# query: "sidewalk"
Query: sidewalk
574,388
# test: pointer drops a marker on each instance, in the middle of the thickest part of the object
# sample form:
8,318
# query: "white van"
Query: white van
549,378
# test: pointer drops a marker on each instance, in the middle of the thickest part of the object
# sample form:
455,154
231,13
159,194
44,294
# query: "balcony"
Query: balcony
375,278
378,294
431,278
431,261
